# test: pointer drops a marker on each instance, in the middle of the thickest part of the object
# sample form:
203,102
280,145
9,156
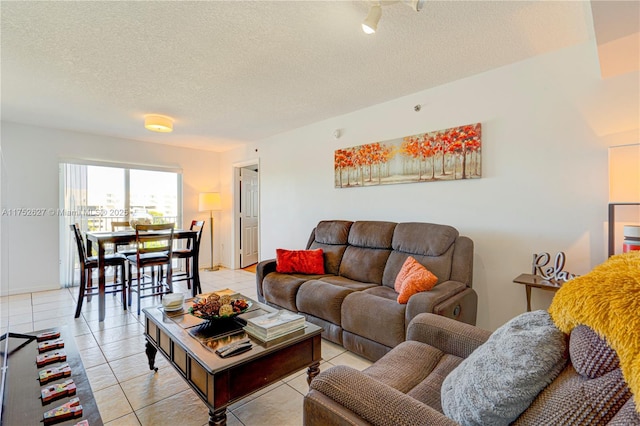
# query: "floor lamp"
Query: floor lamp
624,183
210,201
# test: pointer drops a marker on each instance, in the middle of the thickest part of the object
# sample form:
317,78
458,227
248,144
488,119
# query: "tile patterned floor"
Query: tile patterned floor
113,355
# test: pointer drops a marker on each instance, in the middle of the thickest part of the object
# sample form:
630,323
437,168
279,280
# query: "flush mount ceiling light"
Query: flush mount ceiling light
370,23
158,123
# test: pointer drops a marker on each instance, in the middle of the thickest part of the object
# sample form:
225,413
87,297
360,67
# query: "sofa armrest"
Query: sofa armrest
450,336
426,301
373,401
262,269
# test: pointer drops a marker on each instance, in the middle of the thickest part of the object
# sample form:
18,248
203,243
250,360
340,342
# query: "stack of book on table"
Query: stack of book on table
274,324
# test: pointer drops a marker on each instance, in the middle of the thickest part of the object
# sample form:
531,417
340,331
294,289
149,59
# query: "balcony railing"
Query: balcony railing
103,223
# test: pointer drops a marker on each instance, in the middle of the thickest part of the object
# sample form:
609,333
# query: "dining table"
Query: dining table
102,239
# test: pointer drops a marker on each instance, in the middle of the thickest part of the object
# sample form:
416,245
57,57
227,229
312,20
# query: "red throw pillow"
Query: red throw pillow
413,278
300,261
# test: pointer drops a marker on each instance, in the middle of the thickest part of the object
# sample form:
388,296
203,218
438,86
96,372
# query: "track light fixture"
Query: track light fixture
370,23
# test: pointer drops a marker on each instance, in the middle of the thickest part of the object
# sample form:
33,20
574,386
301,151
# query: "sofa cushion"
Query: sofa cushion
501,378
281,289
372,234
427,239
331,236
364,264
332,232
416,369
428,391
627,415
332,256
590,354
369,247
382,291
375,318
347,283
575,400
331,296
406,365
413,278
300,261
374,402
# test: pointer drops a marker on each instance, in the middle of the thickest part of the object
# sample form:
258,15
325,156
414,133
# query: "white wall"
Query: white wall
29,249
546,122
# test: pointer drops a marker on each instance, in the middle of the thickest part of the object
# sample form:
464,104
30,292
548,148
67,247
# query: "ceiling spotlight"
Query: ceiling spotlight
158,123
415,4
370,23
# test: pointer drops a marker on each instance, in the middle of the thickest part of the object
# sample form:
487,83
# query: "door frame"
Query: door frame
235,241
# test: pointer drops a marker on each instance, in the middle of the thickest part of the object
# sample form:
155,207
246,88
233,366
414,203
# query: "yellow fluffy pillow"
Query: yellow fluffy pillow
413,278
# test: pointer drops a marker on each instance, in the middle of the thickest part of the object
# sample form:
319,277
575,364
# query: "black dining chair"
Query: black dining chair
122,226
89,263
188,253
153,249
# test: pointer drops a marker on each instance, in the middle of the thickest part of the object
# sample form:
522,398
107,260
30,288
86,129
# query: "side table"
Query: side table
531,280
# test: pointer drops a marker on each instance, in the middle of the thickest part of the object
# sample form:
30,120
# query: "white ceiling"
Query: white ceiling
230,72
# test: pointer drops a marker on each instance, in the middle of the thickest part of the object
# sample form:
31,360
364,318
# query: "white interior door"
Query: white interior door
249,215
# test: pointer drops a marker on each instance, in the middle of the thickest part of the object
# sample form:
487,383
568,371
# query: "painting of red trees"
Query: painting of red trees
449,154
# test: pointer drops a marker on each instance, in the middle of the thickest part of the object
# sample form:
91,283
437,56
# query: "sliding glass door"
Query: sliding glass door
95,196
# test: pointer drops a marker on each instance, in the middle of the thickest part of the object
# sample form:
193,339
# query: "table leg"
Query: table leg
528,290
313,371
101,282
218,417
195,271
151,355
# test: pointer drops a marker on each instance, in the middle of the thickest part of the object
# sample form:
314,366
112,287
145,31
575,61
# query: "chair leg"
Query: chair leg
89,284
83,284
124,287
130,286
115,279
139,277
189,277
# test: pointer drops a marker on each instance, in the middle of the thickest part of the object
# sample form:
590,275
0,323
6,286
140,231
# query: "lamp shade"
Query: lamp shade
624,174
209,201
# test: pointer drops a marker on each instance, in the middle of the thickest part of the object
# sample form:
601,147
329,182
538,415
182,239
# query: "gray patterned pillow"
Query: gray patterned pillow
501,378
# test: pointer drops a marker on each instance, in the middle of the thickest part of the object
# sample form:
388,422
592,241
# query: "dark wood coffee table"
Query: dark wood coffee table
218,381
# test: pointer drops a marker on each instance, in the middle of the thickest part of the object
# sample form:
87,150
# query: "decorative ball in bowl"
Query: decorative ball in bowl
212,307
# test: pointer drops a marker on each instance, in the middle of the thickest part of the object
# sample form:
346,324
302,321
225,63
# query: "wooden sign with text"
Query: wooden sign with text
552,272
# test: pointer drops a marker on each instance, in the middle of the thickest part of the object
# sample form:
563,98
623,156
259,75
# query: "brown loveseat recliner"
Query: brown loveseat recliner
355,301
576,364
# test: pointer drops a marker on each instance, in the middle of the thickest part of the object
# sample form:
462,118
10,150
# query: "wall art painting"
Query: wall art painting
449,154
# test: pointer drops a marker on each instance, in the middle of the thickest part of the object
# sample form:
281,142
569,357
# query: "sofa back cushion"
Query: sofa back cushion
430,244
332,237
368,250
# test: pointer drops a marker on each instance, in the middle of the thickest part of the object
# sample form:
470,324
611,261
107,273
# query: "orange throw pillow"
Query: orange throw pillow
300,261
413,278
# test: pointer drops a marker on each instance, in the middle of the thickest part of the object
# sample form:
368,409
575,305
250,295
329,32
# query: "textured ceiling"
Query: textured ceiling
230,72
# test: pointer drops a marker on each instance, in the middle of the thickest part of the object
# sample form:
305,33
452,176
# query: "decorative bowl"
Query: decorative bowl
172,301
213,307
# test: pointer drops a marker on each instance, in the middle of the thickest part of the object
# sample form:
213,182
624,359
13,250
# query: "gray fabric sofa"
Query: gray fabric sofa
404,387
574,364
355,301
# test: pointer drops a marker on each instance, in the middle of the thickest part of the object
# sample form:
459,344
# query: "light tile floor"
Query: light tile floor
127,393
